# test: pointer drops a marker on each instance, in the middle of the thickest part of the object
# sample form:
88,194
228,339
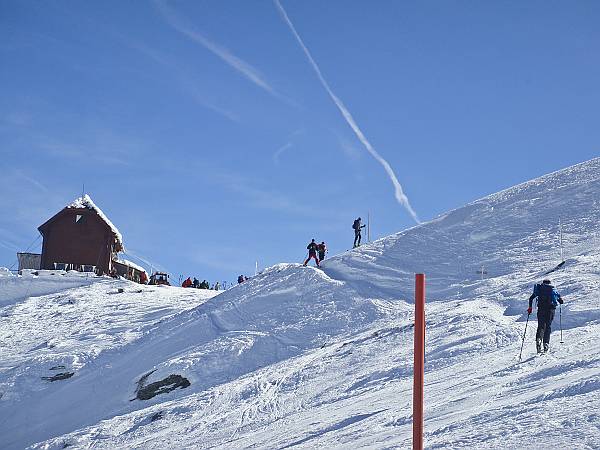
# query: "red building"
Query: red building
80,237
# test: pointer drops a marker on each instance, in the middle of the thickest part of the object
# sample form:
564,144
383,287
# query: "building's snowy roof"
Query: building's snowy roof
131,264
86,202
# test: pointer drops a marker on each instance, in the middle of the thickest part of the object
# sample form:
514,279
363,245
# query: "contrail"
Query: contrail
280,150
224,54
399,193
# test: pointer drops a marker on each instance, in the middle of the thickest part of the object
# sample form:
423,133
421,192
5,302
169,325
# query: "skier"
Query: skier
321,248
196,283
187,283
240,279
356,226
312,252
547,299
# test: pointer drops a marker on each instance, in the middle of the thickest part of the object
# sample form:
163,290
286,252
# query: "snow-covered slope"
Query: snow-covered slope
514,232
14,288
299,357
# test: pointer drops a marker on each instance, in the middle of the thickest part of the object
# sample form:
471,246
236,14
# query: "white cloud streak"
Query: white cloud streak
185,80
224,54
280,150
399,192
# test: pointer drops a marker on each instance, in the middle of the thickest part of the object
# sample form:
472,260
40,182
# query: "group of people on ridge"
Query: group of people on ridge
196,284
316,251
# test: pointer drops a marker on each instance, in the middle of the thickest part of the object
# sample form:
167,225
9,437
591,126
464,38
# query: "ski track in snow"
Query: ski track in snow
302,358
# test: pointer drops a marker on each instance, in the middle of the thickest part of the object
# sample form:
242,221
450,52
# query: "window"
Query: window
78,218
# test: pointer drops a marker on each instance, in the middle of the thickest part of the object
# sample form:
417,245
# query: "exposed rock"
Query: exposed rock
59,376
163,386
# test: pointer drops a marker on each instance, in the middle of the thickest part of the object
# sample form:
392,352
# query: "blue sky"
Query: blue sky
203,132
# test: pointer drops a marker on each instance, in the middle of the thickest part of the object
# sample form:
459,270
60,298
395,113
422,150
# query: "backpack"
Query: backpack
356,224
545,294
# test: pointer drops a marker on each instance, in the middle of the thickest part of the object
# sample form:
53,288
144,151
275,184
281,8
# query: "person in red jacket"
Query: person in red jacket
187,283
312,252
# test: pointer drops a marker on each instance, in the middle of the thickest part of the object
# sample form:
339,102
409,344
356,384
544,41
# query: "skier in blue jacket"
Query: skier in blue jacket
547,299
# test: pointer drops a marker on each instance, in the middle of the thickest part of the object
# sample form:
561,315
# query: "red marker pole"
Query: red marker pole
419,369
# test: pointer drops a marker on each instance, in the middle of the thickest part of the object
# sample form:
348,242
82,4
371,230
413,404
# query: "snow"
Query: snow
131,264
86,202
13,288
299,357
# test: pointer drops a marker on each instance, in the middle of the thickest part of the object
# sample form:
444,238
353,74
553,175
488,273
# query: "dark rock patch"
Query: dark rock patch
141,383
156,416
163,386
57,367
59,376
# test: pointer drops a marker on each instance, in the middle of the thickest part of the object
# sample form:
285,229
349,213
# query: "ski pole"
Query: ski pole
524,333
560,316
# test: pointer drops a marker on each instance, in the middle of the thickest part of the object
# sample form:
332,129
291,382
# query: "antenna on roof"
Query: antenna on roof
82,190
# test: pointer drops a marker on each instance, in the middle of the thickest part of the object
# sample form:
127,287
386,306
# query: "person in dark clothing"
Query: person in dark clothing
547,299
196,283
321,248
312,253
240,279
357,227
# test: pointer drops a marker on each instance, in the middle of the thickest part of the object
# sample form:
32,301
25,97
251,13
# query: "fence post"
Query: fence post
419,368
